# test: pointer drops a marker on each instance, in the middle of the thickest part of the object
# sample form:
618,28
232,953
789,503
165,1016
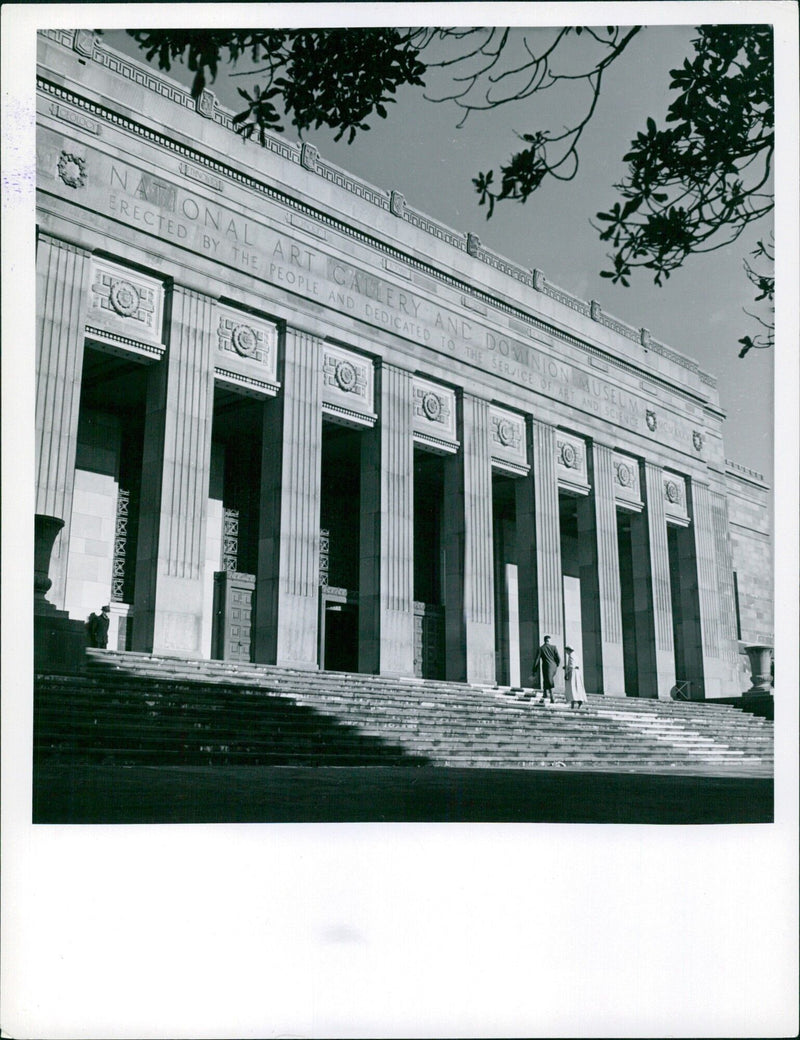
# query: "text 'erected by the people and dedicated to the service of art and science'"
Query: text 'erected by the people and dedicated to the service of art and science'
167,210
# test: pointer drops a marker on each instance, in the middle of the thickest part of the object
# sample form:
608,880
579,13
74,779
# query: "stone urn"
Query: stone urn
760,657
45,533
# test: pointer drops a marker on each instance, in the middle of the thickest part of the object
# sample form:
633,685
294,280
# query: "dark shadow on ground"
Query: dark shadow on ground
97,793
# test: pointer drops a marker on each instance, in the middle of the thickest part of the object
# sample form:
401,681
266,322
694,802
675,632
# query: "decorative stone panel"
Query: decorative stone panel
627,488
571,463
507,441
675,507
434,416
245,352
125,311
347,387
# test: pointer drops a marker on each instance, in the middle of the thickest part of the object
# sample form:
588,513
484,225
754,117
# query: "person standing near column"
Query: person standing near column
549,658
573,679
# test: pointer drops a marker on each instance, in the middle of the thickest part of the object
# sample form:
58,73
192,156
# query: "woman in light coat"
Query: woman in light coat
573,676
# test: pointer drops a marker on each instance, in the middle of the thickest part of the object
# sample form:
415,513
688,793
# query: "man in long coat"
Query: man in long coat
548,657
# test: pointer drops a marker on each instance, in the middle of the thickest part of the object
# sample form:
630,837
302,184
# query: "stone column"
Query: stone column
726,600
541,586
386,578
61,277
469,550
175,473
700,630
652,597
287,591
601,597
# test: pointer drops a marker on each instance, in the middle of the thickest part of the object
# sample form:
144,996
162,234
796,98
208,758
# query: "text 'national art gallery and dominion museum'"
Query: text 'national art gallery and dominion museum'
286,418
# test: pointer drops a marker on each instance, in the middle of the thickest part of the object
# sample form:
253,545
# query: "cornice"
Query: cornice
474,296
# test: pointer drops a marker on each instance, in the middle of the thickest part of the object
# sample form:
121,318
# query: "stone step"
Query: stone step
133,707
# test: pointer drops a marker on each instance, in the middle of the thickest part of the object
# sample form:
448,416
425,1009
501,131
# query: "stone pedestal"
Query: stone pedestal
59,643
760,657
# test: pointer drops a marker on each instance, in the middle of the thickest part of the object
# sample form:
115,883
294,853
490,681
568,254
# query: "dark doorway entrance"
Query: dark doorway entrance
341,637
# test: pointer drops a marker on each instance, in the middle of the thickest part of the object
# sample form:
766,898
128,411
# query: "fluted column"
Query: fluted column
653,604
541,586
386,579
287,591
700,599
175,473
61,277
601,598
729,647
469,550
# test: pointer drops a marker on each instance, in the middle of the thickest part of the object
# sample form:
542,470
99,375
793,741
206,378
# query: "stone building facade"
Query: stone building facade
288,418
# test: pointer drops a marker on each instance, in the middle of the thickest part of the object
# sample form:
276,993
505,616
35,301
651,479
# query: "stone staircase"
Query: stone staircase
131,708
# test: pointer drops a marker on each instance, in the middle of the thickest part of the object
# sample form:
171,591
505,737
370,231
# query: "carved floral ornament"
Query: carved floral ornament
244,340
652,422
697,440
568,455
672,492
624,474
124,297
505,432
432,406
72,170
346,376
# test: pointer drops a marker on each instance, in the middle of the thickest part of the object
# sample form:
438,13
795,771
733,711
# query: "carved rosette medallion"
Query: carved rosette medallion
569,455
624,474
697,440
346,376
72,170
652,422
245,341
505,432
251,340
124,298
672,492
432,407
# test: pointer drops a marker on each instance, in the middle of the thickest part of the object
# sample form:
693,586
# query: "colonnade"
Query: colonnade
476,438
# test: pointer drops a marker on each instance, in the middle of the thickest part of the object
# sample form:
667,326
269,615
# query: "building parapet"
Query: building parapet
735,469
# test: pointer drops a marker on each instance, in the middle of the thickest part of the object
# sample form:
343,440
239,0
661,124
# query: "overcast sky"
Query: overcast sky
419,151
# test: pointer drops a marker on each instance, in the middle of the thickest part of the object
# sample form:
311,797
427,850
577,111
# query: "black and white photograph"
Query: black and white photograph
400,508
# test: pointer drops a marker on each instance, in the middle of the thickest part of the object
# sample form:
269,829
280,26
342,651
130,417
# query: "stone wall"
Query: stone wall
750,526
